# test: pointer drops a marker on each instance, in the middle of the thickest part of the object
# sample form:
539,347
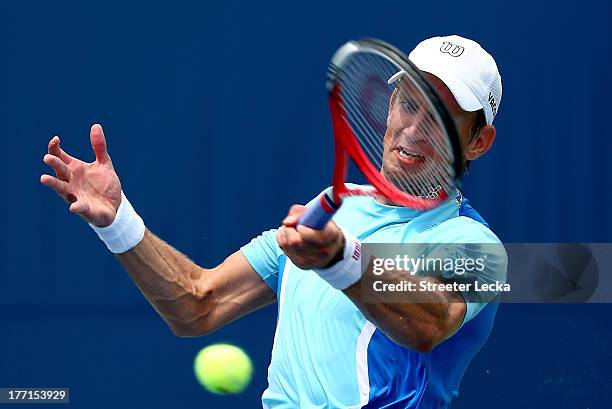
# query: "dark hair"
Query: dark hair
479,122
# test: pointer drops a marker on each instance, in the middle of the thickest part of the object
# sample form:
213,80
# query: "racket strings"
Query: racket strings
368,132
429,129
381,113
367,97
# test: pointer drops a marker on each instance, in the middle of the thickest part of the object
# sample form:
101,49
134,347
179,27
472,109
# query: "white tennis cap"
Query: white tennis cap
465,67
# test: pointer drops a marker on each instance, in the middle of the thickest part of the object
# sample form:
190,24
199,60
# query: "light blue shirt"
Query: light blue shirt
326,354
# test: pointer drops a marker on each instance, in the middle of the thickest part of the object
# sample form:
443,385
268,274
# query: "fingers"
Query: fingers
79,207
61,188
319,237
61,169
305,239
297,209
307,235
290,238
306,247
55,150
302,253
295,212
98,143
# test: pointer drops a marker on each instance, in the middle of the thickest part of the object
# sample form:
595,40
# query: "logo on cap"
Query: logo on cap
492,103
451,49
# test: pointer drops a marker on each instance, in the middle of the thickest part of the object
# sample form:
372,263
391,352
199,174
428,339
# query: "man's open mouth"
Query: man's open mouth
408,155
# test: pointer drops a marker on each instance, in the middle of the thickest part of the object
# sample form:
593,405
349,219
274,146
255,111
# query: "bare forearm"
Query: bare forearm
191,299
420,322
160,271
164,275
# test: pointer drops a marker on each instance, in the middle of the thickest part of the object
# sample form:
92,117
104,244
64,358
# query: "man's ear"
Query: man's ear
481,144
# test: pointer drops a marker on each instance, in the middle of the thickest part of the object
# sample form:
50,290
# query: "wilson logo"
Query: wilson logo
357,252
451,49
492,103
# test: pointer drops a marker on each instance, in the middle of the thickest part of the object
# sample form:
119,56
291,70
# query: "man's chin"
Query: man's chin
396,181
407,186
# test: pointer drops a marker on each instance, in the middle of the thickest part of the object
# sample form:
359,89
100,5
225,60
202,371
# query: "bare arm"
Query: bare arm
420,325
433,316
191,299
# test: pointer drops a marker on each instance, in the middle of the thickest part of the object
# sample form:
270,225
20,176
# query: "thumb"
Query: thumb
294,215
98,143
79,207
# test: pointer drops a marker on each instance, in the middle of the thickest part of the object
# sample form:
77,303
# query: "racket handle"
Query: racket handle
320,212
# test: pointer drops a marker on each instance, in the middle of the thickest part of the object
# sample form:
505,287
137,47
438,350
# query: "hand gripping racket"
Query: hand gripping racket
390,121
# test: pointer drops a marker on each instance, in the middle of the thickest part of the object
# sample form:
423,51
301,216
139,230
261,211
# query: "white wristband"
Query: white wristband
347,271
125,232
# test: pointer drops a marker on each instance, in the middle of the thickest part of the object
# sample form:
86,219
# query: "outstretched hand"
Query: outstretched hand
93,190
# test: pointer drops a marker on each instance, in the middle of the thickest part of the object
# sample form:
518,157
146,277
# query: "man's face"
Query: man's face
415,155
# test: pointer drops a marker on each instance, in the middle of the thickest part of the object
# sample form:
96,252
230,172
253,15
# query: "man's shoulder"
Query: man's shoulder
466,229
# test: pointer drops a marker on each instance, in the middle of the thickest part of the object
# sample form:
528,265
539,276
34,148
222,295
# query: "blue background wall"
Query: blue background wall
206,108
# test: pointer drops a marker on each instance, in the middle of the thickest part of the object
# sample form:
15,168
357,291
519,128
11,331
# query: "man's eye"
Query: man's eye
410,106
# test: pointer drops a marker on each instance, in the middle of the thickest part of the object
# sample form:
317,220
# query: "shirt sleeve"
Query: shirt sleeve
470,240
263,254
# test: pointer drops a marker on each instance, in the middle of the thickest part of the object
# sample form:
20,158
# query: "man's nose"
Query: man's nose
409,129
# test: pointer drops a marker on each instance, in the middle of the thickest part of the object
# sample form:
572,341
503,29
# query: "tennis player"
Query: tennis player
331,349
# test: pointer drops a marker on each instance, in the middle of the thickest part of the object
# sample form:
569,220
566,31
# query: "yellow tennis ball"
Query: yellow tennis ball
223,369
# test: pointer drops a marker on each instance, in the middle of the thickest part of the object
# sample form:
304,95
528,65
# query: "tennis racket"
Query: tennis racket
391,123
